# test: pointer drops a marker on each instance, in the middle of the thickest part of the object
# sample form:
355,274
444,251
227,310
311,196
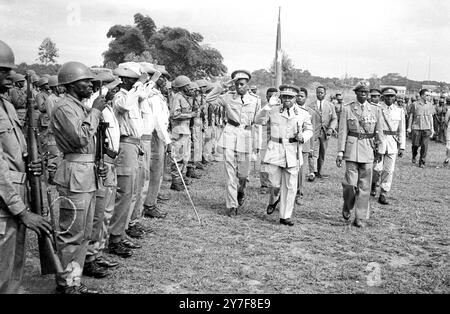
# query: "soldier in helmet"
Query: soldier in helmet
74,126
18,96
290,127
360,132
181,114
236,141
196,126
15,216
128,113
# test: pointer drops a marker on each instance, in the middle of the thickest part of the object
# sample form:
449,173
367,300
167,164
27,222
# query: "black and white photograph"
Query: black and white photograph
225,153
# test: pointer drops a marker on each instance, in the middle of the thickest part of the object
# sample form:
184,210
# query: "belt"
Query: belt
146,137
280,140
108,159
237,125
130,140
17,177
80,157
390,132
361,136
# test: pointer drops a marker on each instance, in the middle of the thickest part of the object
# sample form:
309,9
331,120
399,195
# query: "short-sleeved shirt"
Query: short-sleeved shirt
422,115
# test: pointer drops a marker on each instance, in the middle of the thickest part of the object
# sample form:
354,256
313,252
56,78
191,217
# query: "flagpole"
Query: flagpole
278,54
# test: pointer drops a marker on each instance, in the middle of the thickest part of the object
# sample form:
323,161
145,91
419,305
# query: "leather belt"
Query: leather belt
17,177
390,132
80,157
361,136
130,140
238,125
146,137
280,140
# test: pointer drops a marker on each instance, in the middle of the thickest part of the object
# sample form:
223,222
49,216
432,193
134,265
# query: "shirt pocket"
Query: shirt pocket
352,125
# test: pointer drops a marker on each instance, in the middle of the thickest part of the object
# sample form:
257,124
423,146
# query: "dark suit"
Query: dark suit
324,119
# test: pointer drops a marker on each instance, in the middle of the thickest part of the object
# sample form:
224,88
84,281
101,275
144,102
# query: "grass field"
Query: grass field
404,249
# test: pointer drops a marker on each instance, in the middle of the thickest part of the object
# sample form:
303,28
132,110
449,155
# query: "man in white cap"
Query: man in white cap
236,142
393,143
290,127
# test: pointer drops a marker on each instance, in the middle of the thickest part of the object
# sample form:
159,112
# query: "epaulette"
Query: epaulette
349,104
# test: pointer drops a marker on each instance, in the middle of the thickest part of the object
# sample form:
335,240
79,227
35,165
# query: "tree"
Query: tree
181,51
47,52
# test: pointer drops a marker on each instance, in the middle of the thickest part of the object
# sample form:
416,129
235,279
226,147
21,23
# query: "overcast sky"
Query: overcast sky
327,37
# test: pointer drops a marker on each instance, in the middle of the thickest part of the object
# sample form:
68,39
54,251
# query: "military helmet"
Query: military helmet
34,78
42,81
73,71
6,56
18,78
53,81
193,85
181,81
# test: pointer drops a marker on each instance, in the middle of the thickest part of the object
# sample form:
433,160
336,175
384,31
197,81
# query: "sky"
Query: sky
327,37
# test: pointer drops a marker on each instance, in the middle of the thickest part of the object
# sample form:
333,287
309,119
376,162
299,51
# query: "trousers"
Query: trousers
356,188
237,169
283,183
156,169
384,172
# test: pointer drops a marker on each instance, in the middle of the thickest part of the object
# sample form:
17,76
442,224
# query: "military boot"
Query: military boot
92,269
241,191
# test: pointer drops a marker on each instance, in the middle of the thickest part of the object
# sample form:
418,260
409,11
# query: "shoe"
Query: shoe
421,165
154,212
346,214
373,192
162,198
131,245
134,232
81,289
176,187
140,227
358,223
190,173
271,208
241,198
414,160
311,177
263,190
199,165
382,200
92,269
287,222
119,249
103,262
298,199
446,161
231,211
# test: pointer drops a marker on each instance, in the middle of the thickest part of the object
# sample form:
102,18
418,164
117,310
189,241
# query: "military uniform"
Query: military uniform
74,126
19,100
284,153
181,135
359,132
236,142
13,198
421,125
394,139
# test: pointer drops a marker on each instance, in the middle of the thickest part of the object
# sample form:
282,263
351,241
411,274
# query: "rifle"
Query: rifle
50,263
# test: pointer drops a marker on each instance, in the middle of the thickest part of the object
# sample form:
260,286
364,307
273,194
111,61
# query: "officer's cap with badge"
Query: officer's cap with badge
375,92
362,86
241,74
289,90
389,91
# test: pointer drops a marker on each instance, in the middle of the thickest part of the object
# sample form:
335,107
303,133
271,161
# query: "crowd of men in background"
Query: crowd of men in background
145,120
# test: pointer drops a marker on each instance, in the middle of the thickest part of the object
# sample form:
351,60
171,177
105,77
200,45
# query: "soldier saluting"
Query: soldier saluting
360,131
236,140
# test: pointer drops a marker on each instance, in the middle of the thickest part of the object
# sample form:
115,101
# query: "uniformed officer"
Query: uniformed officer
160,140
196,126
325,122
360,132
74,126
254,89
290,127
14,208
181,114
392,144
127,111
375,95
236,141
421,126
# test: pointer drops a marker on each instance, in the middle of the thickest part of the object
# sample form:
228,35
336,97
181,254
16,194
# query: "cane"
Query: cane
185,188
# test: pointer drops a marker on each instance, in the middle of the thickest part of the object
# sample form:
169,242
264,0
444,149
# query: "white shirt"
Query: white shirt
128,112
